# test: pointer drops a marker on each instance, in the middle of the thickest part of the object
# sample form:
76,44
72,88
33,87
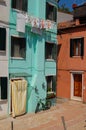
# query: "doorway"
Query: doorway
3,88
76,92
78,85
18,96
3,95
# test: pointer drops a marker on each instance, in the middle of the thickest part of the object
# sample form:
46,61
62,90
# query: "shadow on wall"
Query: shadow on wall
32,41
58,49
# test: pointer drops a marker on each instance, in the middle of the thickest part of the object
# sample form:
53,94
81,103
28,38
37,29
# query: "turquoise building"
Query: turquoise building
32,49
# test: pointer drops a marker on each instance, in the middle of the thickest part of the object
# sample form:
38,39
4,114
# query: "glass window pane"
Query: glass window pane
76,47
2,39
18,47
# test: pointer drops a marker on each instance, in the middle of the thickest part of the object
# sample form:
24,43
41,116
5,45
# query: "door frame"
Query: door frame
72,86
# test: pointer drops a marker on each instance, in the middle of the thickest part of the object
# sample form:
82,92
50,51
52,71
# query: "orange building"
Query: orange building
71,58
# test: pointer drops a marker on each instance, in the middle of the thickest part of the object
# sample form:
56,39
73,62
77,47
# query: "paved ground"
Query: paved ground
3,108
73,112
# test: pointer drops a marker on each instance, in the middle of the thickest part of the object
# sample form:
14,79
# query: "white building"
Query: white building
4,40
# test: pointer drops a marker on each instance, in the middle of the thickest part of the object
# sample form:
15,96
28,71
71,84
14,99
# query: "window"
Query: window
3,87
2,39
77,47
20,4
51,12
50,51
18,47
51,86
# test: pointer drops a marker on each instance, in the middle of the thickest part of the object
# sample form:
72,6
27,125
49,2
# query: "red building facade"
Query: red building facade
71,60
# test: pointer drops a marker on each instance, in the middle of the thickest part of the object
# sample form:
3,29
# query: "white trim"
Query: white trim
77,72
52,2
77,37
50,60
18,36
17,58
20,11
72,86
17,78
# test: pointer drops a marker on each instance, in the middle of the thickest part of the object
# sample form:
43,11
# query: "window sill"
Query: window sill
50,60
19,11
77,56
2,51
17,58
3,101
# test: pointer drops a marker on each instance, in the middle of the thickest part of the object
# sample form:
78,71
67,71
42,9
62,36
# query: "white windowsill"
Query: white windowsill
19,11
49,59
76,56
3,51
17,58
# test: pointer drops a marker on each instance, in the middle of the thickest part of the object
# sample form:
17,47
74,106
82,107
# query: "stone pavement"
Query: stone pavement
73,113
3,108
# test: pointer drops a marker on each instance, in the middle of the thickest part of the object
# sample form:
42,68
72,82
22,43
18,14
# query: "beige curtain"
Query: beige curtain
19,92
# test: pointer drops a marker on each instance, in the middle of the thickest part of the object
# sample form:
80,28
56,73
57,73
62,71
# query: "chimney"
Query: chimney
74,6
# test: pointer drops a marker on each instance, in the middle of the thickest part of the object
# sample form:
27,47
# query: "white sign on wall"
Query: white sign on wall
21,20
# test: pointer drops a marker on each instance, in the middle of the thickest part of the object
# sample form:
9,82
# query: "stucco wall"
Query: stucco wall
4,58
4,20
34,64
66,64
4,10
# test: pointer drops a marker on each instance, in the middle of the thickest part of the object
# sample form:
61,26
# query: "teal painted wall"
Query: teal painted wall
19,65
50,68
37,8
34,64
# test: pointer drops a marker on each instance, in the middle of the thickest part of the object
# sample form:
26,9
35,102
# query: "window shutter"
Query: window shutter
47,10
24,6
71,47
54,83
82,47
55,14
54,51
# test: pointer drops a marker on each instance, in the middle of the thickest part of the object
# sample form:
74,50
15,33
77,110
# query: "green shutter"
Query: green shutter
55,14
47,10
